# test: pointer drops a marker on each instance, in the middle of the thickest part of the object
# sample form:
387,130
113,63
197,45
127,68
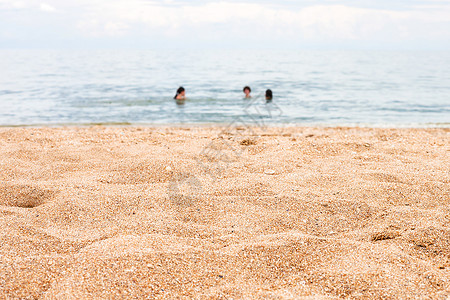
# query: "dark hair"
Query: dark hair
269,95
247,88
179,91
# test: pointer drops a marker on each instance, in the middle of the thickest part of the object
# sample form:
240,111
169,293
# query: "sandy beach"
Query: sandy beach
206,213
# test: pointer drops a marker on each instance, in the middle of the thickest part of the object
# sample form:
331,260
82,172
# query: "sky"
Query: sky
298,24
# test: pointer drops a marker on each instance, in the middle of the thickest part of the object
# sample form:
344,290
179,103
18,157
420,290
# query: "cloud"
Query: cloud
239,21
12,4
47,7
19,5
231,18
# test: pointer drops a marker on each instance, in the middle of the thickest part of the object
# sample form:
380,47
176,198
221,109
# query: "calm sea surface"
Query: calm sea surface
49,87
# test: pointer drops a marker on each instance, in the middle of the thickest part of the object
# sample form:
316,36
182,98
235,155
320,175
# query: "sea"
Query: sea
310,87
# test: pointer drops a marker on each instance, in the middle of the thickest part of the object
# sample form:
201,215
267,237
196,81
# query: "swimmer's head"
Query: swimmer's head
247,90
269,95
181,92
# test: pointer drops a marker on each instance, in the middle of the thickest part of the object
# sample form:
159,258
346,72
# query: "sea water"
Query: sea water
363,88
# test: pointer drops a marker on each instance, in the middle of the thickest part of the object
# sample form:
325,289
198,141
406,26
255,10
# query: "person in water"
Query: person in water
269,95
181,94
247,91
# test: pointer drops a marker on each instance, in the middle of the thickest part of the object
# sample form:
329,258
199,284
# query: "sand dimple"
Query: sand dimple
385,235
434,242
26,196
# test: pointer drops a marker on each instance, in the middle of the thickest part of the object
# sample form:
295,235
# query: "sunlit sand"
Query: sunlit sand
129,212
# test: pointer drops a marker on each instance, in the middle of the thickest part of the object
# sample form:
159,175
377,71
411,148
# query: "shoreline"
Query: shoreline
213,125
240,212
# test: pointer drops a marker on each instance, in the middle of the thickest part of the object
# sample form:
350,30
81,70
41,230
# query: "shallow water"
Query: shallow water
366,88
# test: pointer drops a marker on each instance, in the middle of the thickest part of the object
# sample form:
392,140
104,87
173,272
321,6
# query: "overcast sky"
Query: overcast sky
382,24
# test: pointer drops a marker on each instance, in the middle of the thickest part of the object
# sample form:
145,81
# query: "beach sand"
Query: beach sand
206,212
